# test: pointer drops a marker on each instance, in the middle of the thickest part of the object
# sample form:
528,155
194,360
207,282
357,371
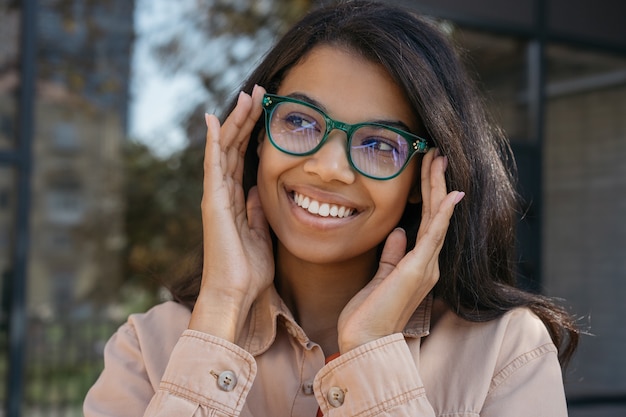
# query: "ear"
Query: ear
415,194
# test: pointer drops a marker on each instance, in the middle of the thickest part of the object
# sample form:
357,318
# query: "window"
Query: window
65,203
65,138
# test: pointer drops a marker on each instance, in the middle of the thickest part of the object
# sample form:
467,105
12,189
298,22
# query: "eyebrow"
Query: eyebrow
398,124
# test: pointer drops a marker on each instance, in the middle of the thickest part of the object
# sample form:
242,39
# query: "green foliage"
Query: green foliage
162,219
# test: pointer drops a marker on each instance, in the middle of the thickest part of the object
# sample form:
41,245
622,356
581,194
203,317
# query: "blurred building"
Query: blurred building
83,64
74,207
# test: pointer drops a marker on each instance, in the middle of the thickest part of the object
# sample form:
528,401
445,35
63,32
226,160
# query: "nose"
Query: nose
330,162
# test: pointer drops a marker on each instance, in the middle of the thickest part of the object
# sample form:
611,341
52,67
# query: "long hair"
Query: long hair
477,259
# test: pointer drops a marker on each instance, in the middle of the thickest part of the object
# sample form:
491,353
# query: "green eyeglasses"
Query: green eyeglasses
375,150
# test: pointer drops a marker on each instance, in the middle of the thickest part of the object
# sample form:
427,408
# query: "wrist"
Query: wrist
219,316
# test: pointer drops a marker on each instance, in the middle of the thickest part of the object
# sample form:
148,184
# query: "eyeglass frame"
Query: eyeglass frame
416,143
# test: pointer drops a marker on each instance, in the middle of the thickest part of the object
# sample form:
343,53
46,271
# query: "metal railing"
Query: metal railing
63,358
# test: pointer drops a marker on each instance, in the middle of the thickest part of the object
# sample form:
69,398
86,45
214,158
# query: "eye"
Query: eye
379,144
300,122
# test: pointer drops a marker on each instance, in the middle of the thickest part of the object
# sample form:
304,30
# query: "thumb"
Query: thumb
393,251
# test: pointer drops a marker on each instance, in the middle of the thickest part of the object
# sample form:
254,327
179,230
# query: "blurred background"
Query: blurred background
101,130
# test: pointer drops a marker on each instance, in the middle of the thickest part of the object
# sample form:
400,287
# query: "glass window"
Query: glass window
65,203
64,137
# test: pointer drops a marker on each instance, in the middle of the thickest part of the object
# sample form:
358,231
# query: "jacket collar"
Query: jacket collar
269,311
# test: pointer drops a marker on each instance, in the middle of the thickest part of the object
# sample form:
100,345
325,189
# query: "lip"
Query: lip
317,221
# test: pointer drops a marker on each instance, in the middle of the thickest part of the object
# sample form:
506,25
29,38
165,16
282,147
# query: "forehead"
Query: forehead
348,86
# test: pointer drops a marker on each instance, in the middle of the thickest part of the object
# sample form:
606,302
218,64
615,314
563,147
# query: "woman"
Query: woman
338,275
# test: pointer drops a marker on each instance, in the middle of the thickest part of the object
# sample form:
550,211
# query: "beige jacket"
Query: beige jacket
440,366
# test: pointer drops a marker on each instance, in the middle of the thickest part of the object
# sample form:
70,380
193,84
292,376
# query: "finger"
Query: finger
256,109
431,241
239,124
246,131
410,275
393,251
237,130
236,120
212,152
434,237
425,181
438,189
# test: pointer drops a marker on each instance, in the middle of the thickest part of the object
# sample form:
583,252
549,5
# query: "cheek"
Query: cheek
392,197
391,202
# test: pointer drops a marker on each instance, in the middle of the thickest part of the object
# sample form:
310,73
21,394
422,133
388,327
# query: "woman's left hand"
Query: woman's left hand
385,305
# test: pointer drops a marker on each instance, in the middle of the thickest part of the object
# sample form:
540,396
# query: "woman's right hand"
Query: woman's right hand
238,260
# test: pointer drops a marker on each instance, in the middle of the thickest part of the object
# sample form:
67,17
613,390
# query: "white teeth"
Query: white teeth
321,209
314,207
324,210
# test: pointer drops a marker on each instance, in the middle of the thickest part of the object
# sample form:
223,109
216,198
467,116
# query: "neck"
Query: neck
317,293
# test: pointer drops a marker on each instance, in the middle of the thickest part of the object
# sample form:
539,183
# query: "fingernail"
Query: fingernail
206,119
256,87
445,163
459,196
400,228
437,152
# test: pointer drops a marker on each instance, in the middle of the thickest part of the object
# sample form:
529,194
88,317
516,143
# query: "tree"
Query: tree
214,44
162,217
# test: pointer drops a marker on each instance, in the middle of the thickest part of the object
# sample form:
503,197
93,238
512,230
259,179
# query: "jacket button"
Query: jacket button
335,396
227,380
307,388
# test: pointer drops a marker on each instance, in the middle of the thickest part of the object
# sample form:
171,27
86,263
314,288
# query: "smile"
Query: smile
321,209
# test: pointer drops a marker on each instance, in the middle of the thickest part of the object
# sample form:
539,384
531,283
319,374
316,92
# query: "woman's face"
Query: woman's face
352,90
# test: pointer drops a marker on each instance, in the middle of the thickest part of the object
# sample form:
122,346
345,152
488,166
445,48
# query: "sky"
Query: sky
160,98
157,99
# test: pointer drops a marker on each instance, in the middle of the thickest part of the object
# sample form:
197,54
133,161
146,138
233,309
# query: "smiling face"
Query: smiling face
321,210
